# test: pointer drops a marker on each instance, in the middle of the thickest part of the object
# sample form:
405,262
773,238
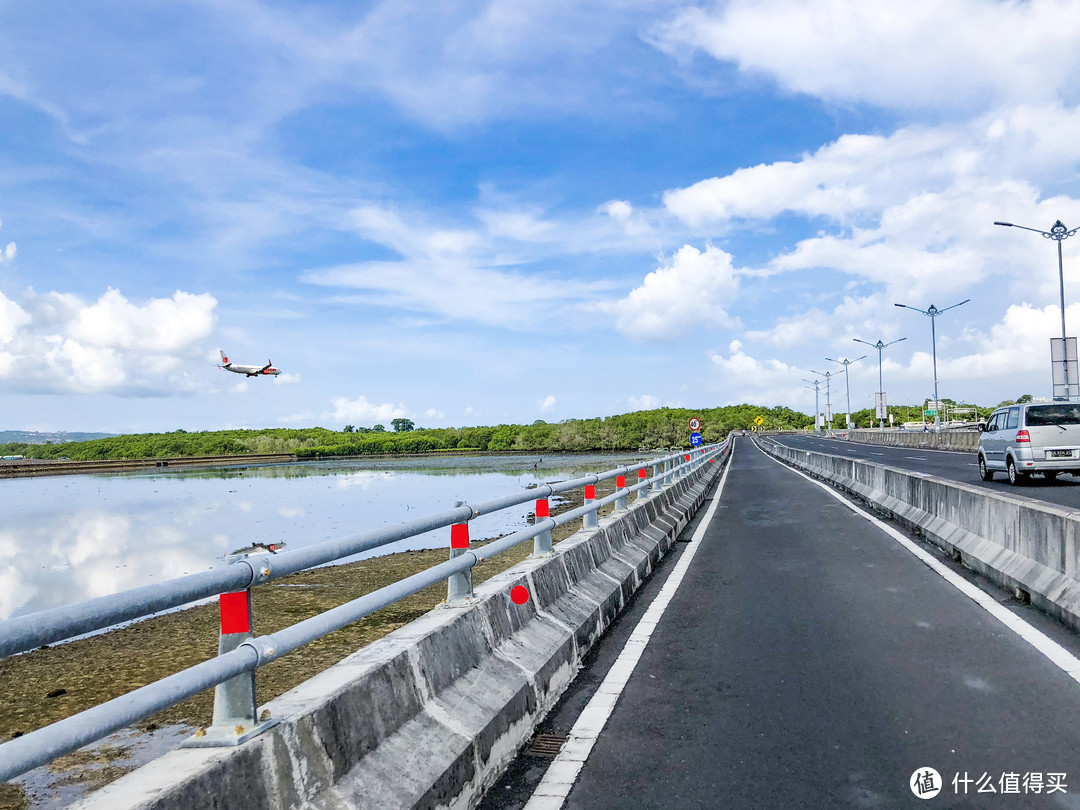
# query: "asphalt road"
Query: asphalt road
808,660
955,466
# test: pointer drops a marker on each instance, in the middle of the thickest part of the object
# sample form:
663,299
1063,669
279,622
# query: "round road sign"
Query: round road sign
695,423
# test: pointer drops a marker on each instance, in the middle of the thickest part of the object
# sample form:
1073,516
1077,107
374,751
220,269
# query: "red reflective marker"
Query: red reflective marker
590,492
620,481
459,535
641,473
542,508
235,613
519,594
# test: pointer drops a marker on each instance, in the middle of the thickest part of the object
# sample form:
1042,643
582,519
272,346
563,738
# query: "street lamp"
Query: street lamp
932,313
1059,233
845,363
828,401
880,404
817,391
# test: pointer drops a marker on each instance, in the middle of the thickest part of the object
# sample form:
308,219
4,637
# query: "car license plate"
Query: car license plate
1061,453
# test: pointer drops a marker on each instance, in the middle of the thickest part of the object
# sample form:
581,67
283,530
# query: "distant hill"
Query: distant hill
59,437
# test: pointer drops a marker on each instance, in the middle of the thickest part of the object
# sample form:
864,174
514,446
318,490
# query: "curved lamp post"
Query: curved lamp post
817,391
932,313
881,390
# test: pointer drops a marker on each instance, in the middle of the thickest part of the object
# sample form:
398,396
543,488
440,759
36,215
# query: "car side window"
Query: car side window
994,423
1014,419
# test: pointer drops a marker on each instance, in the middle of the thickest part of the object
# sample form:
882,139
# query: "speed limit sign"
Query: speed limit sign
695,423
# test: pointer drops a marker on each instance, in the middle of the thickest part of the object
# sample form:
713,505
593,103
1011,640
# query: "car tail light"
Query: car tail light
1023,436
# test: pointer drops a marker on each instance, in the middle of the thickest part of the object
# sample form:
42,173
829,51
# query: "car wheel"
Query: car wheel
985,474
1050,476
1016,478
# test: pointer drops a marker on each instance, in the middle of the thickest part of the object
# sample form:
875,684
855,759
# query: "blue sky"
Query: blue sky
473,213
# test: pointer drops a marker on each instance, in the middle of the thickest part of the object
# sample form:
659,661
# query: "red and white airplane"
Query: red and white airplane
251,371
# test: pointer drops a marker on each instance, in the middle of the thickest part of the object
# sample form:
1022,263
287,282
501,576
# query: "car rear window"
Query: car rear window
1053,415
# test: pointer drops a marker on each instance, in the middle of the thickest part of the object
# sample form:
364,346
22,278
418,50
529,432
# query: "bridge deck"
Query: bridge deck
809,660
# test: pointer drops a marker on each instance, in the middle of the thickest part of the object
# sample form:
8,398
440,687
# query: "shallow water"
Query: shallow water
70,538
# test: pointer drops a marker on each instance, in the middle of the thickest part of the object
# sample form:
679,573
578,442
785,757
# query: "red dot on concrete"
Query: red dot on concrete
519,594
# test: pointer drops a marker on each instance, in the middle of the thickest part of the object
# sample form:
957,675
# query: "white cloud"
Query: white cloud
690,290
360,410
287,379
547,404
746,379
617,209
56,342
434,413
646,402
9,252
917,55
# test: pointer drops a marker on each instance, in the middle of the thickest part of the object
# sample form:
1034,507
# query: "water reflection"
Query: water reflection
72,538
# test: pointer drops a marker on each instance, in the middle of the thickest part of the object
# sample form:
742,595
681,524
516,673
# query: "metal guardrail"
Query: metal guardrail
236,716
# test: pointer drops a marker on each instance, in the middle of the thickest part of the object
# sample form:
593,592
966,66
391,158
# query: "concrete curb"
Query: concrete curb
959,441
430,715
1011,540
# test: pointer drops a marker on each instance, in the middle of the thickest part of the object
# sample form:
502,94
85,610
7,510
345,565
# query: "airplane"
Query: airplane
251,371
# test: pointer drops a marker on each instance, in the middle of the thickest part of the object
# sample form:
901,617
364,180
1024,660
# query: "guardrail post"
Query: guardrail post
590,520
658,482
236,712
620,502
542,541
459,586
642,493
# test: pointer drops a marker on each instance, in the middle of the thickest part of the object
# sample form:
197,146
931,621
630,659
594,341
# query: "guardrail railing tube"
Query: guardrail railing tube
590,520
459,586
236,717
642,493
542,541
620,502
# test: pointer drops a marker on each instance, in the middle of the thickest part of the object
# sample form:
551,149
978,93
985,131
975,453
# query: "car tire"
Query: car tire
985,474
1016,478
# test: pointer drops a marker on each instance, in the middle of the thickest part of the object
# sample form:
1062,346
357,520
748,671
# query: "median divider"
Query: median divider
430,715
1027,545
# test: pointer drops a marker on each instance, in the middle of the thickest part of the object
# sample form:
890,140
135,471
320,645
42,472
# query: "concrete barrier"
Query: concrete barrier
962,440
1015,541
431,715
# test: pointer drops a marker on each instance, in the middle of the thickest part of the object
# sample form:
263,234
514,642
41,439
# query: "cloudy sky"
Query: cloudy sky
481,212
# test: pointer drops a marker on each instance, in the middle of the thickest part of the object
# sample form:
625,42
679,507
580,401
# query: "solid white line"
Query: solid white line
915,458
1064,659
564,769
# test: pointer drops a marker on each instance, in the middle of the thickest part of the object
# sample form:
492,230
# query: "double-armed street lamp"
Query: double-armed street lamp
880,404
828,401
847,385
817,391
932,313
1059,233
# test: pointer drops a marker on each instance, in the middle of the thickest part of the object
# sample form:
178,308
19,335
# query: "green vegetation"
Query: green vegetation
641,430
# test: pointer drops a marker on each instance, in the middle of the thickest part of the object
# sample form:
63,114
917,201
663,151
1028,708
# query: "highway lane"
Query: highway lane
809,660
956,466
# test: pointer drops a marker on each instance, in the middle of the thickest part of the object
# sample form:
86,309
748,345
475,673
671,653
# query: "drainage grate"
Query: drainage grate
545,745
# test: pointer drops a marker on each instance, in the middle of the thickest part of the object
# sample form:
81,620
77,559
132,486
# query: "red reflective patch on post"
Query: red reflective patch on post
459,535
641,473
687,456
590,492
235,613
620,481
712,460
702,451
542,508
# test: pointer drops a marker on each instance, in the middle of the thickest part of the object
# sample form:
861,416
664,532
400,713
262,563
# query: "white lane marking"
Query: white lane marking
564,769
915,458
876,454
1064,659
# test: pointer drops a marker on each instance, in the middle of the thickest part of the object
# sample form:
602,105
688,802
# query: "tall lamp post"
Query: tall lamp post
828,401
932,314
817,392
847,385
1059,233
882,406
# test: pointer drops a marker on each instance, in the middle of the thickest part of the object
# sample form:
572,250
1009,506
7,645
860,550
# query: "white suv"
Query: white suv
1029,438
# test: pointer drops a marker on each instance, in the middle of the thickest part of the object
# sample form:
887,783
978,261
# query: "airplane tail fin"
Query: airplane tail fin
224,359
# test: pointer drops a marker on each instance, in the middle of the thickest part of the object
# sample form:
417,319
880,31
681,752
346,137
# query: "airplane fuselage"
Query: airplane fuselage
251,371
